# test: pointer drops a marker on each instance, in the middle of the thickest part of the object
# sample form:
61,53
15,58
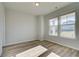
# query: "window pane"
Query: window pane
53,25
67,25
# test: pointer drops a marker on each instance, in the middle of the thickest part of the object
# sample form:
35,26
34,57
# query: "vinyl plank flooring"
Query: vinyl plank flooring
12,50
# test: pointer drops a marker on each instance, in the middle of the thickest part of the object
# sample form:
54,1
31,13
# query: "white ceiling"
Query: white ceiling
30,8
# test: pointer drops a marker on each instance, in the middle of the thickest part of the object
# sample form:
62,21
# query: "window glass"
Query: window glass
53,26
67,25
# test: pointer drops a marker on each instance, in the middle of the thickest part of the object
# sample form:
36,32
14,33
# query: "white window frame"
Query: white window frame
74,26
59,26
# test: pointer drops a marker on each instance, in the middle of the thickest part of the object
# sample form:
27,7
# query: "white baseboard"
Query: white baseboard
63,44
17,43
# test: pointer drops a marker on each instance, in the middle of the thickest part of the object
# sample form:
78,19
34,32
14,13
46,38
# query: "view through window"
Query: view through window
53,26
67,25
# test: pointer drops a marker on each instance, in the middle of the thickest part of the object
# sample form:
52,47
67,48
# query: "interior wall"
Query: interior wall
2,27
73,43
40,27
20,27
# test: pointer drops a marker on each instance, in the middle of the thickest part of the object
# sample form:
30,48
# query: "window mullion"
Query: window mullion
59,26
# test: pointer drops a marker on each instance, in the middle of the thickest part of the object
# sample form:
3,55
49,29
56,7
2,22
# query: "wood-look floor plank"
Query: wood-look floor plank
11,51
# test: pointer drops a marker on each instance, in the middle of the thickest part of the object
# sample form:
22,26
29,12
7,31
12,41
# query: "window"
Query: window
53,26
67,25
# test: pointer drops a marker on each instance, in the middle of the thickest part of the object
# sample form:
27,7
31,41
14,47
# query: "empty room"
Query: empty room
39,29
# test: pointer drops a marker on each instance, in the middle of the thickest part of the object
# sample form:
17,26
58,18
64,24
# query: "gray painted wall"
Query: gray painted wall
73,43
38,22
40,27
2,27
20,27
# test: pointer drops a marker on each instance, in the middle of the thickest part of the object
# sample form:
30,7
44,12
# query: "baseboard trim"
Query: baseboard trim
18,43
63,45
